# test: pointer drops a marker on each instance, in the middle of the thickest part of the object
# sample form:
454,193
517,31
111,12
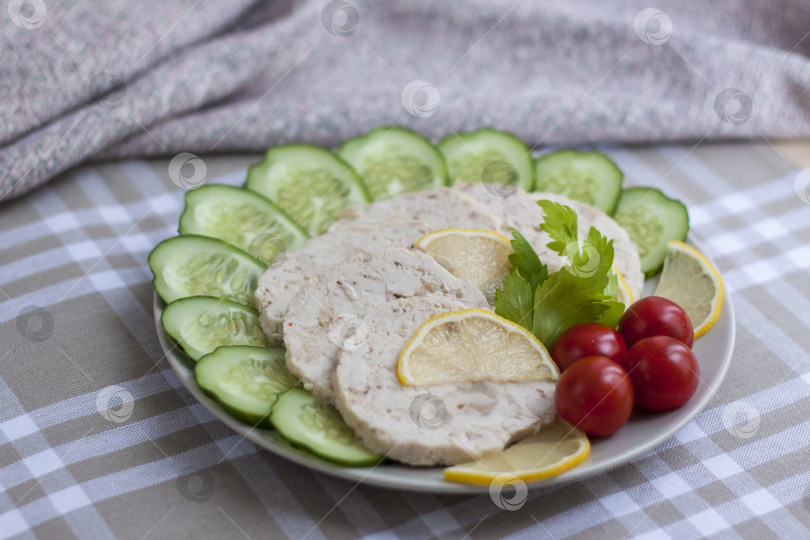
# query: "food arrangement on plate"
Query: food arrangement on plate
459,305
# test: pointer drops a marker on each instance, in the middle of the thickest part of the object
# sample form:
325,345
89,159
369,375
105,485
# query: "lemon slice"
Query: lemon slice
473,345
625,294
477,255
690,280
553,450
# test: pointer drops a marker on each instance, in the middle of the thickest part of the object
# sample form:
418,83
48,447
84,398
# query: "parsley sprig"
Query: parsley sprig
584,290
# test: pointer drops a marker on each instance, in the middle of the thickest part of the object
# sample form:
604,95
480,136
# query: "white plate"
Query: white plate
642,433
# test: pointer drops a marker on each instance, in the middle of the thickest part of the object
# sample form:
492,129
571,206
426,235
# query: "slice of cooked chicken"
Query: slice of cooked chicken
440,208
397,222
282,281
325,317
441,424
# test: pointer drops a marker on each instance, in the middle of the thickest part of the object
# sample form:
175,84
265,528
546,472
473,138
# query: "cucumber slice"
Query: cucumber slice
590,177
306,421
309,182
394,160
241,218
194,265
200,324
488,155
245,380
651,219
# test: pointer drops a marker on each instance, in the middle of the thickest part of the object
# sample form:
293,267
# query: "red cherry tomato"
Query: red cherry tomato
656,316
588,339
594,394
664,371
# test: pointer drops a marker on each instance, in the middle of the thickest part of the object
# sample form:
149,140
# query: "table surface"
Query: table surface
98,439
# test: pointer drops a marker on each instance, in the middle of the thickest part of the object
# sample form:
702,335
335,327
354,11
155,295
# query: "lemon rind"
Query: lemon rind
623,285
404,377
425,240
717,307
465,475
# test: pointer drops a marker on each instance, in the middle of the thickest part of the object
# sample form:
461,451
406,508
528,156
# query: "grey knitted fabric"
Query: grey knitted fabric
80,82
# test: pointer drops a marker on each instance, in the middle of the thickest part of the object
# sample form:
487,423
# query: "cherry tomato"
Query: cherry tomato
594,394
588,339
664,371
656,316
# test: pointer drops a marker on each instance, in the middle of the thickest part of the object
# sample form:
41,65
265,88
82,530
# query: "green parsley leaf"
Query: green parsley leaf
612,314
515,300
597,254
560,223
525,261
616,308
564,300
584,290
612,289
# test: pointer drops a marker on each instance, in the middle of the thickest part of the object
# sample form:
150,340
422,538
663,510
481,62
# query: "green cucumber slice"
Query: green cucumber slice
245,380
309,182
590,177
200,324
488,155
651,219
394,160
194,265
241,218
308,422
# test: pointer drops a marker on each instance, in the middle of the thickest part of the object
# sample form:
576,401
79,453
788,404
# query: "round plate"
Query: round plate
642,433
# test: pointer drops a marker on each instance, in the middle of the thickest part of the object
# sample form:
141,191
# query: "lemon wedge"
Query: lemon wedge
477,255
473,345
625,294
551,451
692,282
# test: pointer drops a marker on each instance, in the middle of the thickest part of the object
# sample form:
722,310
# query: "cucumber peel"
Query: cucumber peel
488,155
245,380
651,219
310,423
200,324
394,160
587,176
308,182
241,218
193,265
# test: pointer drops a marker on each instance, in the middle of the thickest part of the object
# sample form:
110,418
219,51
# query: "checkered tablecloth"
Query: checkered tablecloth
98,439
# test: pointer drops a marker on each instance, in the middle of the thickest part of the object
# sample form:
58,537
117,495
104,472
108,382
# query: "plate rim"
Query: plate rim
364,475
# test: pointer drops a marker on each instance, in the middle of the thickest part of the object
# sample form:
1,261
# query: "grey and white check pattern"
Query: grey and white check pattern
98,438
